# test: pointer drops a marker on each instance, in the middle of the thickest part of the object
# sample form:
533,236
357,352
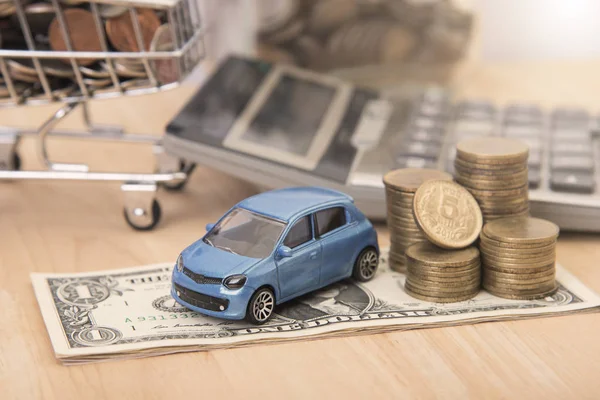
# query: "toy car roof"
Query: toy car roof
284,204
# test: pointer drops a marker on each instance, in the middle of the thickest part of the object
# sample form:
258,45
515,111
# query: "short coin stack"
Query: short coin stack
494,170
400,188
519,257
442,276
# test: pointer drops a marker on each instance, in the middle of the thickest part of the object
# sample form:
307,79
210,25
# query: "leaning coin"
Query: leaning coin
448,214
521,230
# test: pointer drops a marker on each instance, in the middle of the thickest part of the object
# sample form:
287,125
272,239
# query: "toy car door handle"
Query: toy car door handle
313,255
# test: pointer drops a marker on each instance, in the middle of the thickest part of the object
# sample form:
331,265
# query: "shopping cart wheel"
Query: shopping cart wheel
16,162
150,218
176,186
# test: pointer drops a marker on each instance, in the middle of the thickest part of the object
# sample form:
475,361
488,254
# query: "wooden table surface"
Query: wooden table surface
73,226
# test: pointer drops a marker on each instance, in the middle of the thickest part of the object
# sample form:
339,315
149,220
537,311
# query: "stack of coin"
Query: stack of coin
442,276
494,170
400,188
519,257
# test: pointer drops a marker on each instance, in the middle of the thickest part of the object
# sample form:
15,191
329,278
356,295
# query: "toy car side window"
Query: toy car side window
300,233
330,219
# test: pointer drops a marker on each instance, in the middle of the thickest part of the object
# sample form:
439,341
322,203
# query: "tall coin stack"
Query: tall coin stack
400,188
519,256
495,171
442,276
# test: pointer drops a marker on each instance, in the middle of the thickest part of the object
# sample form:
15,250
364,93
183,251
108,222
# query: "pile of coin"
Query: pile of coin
495,171
442,276
519,256
112,29
332,34
400,188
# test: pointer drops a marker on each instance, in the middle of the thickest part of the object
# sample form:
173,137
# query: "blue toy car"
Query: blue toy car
273,247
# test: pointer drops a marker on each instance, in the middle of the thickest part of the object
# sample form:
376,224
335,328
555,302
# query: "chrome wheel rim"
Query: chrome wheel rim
262,308
368,264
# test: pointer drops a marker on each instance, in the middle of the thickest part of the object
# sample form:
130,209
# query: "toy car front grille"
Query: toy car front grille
201,300
201,279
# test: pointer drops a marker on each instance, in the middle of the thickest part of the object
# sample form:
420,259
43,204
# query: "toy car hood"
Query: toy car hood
204,259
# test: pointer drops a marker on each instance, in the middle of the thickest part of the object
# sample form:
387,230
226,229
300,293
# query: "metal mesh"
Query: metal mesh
33,71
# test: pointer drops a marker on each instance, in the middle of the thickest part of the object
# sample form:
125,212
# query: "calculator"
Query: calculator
279,125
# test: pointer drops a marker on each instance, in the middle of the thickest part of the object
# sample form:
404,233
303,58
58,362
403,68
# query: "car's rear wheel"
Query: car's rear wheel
261,306
366,265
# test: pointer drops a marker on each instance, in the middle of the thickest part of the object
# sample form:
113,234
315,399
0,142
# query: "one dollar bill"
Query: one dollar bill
127,313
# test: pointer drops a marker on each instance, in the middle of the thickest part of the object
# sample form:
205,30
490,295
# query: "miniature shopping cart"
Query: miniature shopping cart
32,73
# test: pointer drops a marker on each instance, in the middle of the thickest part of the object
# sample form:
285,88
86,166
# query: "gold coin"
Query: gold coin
512,289
515,245
547,259
442,299
492,150
521,230
516,255
448,214
504,275
522,296
516,181
487,262
427,253
519,270
82,34
430,289
443,279
444,282
409,179
517,282
473,168
449,295
451,270
464,274
499,202
503,193
486,246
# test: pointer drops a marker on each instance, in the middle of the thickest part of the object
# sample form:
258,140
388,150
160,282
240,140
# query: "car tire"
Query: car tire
261,306
366,265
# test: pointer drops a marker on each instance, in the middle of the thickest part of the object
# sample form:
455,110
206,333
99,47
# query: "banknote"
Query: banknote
129,313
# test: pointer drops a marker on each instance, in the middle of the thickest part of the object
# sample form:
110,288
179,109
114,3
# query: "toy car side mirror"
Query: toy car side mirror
284,252
209,227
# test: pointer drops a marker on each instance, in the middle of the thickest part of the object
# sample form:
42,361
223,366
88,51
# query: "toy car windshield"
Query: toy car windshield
245,233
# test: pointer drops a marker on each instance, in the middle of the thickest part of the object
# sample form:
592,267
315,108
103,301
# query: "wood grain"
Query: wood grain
72,226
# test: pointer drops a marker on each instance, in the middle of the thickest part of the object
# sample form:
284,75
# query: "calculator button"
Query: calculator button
571,164
573,182
418,149
535,177
572,148
426,135
569,116
425,123
478,127
571,134
414,162
518,131
535,159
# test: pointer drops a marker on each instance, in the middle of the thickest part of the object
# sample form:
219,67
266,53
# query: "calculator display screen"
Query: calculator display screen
291,116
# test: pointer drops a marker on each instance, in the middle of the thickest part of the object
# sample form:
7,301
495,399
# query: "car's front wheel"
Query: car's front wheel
366,265
261,306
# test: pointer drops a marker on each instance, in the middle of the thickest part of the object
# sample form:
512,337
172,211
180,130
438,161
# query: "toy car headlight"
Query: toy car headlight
234,281
179,265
